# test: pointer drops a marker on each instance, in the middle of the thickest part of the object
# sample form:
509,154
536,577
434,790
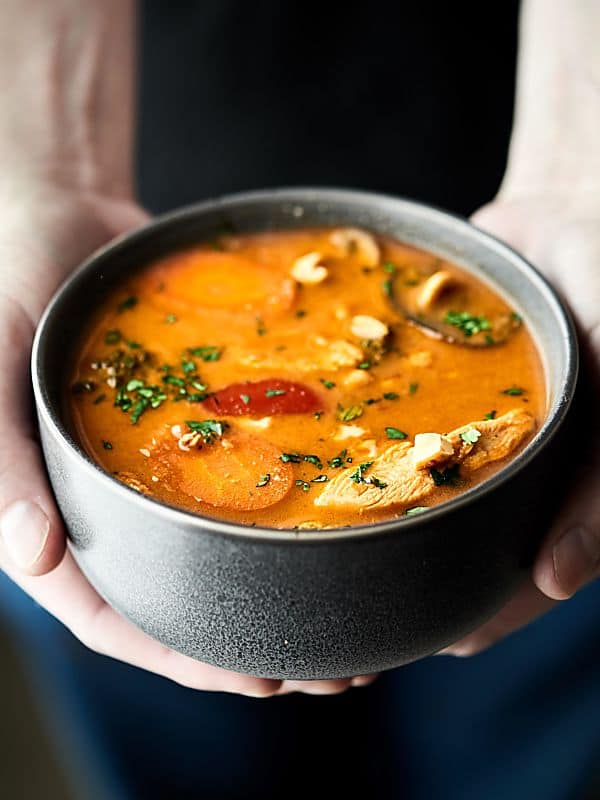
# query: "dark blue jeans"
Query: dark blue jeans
519,722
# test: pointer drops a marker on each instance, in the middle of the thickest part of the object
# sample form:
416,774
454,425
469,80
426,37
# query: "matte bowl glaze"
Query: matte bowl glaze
305,605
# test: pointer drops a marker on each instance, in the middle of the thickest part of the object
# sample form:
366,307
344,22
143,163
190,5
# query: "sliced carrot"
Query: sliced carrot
220,280
226,473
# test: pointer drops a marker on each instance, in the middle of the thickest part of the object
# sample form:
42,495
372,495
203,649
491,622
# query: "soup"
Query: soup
311,378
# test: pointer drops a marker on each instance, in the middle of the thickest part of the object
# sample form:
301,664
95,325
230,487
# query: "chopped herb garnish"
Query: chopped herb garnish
516,318
188,366
206,353
133,345
107,445
263,480
327,384
82,387
389,267
467,323
209,429
99,399
386,287
320,479
391,395
490,414
314,460
290,458
416,510
372,400
134,384
112,337
395,433
274,392
359,476
171,319
317,415
449,477
245,398
513,391
301,313
350,413
260,326
338,461
304,485
365,365
173,380
127,303
413,388
471,436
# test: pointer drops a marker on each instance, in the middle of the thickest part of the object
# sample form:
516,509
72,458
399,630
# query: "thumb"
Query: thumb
31,532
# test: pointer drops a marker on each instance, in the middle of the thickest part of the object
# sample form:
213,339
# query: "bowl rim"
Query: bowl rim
298,195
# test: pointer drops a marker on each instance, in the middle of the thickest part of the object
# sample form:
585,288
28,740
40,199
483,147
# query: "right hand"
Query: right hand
42,238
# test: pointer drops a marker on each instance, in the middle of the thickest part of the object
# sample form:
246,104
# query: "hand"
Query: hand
561,236
40,241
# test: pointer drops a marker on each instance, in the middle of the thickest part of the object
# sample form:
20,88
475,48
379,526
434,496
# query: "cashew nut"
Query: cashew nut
350,239
307,269
366,327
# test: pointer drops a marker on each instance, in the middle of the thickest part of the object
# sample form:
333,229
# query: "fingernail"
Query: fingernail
24,529
576,556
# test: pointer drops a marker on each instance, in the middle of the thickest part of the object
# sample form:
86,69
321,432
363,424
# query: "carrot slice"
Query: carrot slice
225,473
219,280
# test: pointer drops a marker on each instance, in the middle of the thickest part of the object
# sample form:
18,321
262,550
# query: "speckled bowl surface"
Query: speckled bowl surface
305,605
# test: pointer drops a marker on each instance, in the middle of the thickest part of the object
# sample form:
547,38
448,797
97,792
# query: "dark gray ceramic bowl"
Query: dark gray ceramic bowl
283,604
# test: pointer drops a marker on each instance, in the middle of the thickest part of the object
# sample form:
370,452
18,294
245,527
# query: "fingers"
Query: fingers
68,596
570,557
30,526
524,607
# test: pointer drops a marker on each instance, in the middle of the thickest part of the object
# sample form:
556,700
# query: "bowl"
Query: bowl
305,604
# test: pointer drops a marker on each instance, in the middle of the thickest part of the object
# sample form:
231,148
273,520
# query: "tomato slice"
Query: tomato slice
263,398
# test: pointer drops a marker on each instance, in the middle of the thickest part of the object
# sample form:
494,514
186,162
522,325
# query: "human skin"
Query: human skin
66,118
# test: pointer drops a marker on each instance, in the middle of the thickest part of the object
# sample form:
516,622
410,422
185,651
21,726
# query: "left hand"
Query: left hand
560,235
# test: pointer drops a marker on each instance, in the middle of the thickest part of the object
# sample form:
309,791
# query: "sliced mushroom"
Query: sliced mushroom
438,306
356,240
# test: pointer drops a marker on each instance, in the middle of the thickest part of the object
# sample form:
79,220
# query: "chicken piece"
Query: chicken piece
397,479
430,449
499,437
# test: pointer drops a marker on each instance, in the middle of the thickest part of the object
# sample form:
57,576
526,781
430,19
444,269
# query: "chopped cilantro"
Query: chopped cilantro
208,352
516,318
467,323
389,267
245,398
290,458
449,477
395,433
127,303
188,366
386,287
365,365
301,313
311,459
413,388
171,319
112,337
274,392
359,476
470,436
317,415
263,480
390,395
327,384
173,380
260,326
513,391
490,414
304,485
349,413
99,399
209,429
338,461
107,445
